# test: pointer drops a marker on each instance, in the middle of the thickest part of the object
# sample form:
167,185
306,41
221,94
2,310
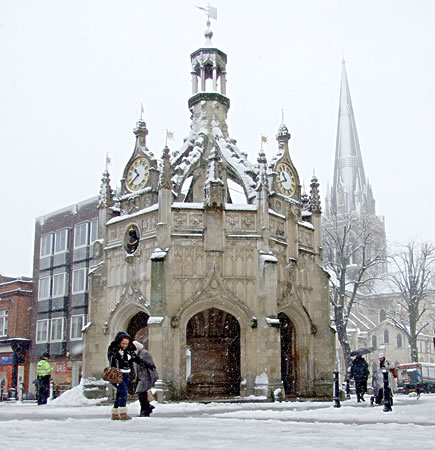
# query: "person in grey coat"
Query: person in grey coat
146,377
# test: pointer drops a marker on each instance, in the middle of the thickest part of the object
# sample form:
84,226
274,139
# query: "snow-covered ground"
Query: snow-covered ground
73,422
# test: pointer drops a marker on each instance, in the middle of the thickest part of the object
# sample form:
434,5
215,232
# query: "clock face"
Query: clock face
285,179
137,174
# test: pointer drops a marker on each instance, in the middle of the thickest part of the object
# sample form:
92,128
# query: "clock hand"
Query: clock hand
137,174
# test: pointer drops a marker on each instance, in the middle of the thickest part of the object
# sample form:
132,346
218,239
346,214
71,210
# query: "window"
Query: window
61,241
46,245
44,288
77,323
79,281
399,341
386,337
42,331
4,322
56,329
374,342
81,235
382,315
59,285
94,230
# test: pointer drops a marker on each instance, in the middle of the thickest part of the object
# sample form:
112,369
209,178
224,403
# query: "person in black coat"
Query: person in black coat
121,354
359,371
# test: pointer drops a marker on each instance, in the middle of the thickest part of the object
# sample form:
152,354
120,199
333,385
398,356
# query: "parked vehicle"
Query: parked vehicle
416,377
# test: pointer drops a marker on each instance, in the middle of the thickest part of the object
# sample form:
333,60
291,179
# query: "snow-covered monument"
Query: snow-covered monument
230,298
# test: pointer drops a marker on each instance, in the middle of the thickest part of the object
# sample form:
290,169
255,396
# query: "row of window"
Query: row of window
57,285
58,242
53,330
4,322
399,341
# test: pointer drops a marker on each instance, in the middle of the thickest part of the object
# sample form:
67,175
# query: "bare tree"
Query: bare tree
353,259
411,279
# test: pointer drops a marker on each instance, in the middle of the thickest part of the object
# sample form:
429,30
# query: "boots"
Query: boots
123,414
115,414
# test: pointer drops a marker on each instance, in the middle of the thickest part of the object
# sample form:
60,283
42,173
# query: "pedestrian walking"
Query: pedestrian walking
120,355
146,377
43,374
359,371
378,381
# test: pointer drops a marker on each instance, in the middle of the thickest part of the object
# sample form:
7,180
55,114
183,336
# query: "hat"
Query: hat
138,345
46,355
381,355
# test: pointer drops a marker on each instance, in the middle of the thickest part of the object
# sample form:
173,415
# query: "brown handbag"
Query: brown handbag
112,374
150,396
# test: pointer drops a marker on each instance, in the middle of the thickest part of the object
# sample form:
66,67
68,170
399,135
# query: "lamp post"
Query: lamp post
387,395
336,391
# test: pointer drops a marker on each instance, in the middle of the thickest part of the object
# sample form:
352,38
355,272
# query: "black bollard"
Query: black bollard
347,389
1,394
336,391
387,397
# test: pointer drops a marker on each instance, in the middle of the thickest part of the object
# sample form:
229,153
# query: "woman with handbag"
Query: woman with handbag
146,377
120,355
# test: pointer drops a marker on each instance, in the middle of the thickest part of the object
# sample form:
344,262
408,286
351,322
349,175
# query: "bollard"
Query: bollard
387,396
1,394
51,390
347,389
21,392
336,391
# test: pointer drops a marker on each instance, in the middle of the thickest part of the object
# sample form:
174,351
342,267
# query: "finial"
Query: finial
108,161
282,115
141,111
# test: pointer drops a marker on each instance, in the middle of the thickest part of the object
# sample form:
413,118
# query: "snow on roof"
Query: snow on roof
306,225
131,216
204,130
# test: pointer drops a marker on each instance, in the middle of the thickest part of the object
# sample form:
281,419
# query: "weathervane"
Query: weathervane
211,12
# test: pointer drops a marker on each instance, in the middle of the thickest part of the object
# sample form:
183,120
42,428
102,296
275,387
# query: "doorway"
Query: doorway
289,372
213,339
138,329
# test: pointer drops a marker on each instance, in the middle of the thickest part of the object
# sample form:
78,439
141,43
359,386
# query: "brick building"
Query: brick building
15,318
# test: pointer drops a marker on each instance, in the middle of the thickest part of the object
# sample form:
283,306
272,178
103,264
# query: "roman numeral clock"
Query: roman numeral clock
137,174
286,180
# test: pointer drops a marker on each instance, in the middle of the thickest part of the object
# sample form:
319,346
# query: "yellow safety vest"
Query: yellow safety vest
43,368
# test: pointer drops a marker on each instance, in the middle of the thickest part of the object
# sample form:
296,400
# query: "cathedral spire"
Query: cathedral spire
349,190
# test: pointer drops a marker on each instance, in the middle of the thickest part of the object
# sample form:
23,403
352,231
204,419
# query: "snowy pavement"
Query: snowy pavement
72,422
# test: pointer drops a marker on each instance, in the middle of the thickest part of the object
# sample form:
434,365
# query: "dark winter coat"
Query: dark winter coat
359,370
123,362
146,372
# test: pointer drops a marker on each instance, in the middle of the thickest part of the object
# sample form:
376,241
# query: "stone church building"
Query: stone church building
230,298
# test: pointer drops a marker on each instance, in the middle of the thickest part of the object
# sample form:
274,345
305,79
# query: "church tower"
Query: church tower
351,194
229,297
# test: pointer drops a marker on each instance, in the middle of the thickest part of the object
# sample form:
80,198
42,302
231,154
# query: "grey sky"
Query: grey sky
75,72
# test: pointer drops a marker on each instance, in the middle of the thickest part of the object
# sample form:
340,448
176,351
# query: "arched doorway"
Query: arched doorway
137,328
213,341
289,372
